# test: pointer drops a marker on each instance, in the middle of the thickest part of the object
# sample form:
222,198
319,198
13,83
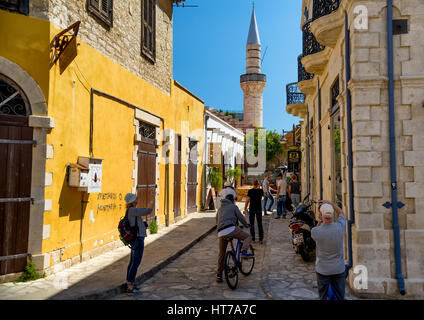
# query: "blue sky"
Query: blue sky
210,45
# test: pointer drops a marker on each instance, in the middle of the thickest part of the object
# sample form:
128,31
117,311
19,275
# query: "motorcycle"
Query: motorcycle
301,223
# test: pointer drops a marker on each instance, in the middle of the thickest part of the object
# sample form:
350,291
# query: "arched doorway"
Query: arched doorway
16,145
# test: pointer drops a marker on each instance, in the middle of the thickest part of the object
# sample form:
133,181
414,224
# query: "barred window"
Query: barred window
21,6
148,29
335,91
101,9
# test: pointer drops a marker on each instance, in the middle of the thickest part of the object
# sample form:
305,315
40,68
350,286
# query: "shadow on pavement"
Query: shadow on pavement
111,279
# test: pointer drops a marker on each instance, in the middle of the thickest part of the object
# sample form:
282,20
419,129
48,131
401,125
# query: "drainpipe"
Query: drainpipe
309,151
320,142
351,220
393,174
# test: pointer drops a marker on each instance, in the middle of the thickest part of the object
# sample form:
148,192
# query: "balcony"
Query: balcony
315,55
306,82
327,22
310,44
295,100
302,75
324,7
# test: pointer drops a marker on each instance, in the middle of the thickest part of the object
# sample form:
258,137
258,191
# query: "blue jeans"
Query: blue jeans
135,260
271,198
338,283
281,205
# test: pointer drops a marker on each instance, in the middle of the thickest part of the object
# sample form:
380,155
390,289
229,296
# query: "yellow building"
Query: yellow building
113,109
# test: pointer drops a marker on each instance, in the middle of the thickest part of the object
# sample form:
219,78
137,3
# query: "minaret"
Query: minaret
253,82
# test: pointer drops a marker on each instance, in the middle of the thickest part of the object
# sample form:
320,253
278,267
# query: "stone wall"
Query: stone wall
122,42
373,243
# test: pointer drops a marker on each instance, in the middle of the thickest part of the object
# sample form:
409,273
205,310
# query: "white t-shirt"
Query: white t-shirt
283,186
226,231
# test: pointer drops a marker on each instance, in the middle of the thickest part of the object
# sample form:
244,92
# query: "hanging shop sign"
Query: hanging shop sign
64,46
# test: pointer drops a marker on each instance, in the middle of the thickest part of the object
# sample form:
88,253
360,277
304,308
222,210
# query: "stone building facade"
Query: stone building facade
120,42
102,99
361,181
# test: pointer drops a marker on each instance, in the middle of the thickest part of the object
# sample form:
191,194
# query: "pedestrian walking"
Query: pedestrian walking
227,219
254,198
228,189
135,218
281,196
329,237
295,189
267,194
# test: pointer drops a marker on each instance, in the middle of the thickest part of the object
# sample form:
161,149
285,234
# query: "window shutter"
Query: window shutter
148,29
102,9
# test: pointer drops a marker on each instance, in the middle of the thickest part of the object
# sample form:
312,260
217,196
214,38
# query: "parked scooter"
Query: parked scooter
301,223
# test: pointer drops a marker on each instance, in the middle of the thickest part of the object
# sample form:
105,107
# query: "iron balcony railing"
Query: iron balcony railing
324,7
302,74
253,77
310,44
294,95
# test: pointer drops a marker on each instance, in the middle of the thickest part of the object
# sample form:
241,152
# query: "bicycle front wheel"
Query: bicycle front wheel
246,264
231,272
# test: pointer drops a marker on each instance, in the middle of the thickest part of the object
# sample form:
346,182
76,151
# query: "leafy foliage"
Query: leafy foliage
30,273
273,145
214,178
153,227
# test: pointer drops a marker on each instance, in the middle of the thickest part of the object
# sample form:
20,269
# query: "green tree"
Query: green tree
273,145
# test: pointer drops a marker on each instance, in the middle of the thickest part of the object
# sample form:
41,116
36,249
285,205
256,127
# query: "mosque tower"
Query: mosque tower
253,82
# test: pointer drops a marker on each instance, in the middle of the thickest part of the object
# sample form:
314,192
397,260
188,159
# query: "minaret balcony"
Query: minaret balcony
259,77
295,101
328,21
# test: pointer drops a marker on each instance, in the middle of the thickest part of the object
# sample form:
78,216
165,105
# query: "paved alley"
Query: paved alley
278,273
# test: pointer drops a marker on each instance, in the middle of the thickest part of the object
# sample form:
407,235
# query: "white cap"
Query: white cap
130,198
327,211
227,184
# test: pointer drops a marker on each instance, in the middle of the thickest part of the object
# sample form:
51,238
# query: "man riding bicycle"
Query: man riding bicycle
227,219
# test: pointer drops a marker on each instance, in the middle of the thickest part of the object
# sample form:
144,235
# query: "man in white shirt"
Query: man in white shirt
281,196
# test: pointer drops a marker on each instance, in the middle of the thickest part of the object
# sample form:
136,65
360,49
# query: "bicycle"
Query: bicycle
233,263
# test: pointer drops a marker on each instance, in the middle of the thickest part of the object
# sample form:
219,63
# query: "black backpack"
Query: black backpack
127,234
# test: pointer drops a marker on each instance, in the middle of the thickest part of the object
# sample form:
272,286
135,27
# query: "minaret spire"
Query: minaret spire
253,37
253,82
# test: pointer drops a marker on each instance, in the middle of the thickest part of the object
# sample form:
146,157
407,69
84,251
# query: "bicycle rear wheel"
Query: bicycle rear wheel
230,270
247,264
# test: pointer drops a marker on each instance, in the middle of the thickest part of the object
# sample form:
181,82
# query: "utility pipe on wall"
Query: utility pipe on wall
351,220
393,174
320,142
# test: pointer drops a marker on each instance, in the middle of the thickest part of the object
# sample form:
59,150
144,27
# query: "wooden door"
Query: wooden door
146,187
192,178
177,177
16,143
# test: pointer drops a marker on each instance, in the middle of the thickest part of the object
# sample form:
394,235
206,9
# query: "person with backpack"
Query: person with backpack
138,230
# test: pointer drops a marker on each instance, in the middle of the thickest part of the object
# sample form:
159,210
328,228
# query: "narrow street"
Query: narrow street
278,273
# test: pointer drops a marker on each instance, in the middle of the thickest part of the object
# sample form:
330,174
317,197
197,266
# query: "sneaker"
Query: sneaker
269,210
218,279
277,217
133,291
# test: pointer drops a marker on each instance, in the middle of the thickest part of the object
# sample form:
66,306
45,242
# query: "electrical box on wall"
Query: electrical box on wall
77,176
94,173
86,175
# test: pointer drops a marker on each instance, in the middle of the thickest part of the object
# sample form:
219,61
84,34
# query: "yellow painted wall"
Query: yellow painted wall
26,43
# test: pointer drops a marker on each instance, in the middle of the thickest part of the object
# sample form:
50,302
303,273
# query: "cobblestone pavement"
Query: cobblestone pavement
278,273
